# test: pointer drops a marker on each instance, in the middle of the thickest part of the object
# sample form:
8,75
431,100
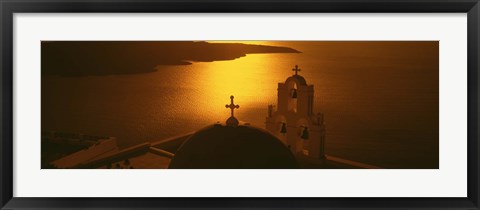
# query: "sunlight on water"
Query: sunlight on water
240,79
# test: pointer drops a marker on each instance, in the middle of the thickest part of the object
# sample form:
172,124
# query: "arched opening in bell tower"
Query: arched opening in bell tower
303,136
292,97
281,128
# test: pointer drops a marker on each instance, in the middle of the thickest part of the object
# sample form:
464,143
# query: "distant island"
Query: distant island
88,58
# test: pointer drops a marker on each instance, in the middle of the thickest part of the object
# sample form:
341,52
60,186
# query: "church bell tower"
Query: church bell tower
294,121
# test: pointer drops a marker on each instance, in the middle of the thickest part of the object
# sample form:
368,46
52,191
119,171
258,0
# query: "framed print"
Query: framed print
264,104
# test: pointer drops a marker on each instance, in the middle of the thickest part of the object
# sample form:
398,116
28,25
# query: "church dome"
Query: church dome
233,147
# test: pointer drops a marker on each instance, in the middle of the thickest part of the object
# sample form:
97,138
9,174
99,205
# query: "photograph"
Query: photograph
239,104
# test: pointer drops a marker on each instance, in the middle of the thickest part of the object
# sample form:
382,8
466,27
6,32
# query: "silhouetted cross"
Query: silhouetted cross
232,106
296,69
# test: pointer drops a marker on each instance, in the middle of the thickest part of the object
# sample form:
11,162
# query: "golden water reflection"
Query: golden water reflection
244,79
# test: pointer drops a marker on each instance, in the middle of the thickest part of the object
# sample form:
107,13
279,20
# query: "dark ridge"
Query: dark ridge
86,58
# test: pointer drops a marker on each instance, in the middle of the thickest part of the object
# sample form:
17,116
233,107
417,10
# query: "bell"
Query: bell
284,128
294,93
304,135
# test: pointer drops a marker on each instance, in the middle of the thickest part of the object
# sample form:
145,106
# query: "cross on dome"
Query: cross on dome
232,106
232,121
296,69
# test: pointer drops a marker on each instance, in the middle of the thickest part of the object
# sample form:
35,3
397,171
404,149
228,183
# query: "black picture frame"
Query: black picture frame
10,7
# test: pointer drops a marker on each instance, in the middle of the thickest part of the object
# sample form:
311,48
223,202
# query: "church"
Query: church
293,137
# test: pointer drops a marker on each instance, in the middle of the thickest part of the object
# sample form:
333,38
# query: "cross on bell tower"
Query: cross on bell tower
296,69
232,121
